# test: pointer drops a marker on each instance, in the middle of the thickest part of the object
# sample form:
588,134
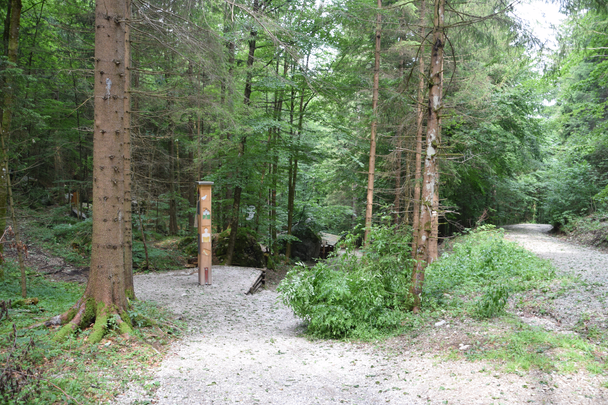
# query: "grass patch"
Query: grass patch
527,348
45,372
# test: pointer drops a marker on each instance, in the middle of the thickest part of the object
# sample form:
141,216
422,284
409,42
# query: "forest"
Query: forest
275,103
395,125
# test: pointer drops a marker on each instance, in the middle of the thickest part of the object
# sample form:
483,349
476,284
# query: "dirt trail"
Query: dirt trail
249,350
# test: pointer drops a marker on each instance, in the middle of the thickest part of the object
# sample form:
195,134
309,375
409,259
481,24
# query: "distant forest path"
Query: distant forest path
582,304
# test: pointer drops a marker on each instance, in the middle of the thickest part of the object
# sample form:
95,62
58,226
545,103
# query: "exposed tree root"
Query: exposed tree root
84,312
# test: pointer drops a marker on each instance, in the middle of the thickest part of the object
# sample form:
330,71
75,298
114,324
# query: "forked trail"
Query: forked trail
248,349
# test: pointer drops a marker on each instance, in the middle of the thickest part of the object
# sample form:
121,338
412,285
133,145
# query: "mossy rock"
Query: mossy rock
247,250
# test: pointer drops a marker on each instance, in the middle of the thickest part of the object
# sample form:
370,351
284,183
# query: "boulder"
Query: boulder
309,246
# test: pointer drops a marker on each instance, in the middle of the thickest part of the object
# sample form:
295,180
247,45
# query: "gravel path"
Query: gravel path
585,303
248,349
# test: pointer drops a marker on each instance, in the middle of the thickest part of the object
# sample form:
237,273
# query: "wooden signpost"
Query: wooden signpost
203,214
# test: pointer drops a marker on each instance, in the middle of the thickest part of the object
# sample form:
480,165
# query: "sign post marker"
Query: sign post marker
203,215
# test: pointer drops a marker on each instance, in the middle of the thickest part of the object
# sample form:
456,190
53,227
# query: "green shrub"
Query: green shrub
351,296
247,250
484,262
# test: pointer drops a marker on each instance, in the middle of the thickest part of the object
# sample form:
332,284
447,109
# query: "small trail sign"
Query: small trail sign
203,216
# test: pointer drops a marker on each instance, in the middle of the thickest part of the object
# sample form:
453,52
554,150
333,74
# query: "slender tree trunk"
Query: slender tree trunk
293,167
143,239
419,129
105,292
292,174
236,205
372,149
20,246
428,207
172,191
399,155
275,161
190,194
11,34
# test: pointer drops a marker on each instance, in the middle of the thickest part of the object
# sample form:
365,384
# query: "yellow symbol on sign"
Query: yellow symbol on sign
206,236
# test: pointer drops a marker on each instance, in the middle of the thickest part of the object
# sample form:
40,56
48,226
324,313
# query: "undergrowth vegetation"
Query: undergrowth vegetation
528,348
481,271
367,295
37,370
351,295
66,236
591,230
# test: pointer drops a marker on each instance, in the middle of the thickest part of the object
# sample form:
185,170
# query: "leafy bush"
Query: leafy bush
352,296
484,261
247,250
160,259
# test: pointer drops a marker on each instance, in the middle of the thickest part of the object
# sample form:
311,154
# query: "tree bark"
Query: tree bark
294,174
419,129
172,191
429,204
372,148
11,39
105,294
12,51
128,236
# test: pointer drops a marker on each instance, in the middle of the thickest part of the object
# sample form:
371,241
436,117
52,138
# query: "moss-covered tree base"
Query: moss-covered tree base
86,312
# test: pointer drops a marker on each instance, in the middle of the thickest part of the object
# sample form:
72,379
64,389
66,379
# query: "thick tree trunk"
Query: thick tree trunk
128,236
105,291
419,129
11,43
372,148
429,203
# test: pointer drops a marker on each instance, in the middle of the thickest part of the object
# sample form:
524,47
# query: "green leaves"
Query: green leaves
352,296
484,264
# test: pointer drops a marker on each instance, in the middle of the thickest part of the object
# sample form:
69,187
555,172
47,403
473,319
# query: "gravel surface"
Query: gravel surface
584,304
249,349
